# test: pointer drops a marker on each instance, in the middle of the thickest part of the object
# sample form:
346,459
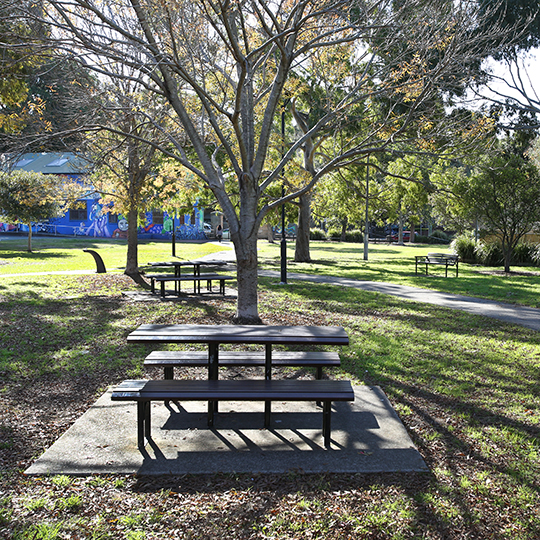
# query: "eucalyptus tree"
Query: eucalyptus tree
511,86
223,67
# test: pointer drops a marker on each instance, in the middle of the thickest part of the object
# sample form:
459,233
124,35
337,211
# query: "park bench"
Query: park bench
99,261
168,360
144,392
442,259
162,279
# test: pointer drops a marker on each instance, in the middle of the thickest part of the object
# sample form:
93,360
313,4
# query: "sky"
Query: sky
524,74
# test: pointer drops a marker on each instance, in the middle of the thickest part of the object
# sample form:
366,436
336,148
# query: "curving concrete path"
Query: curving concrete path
524,316
511,313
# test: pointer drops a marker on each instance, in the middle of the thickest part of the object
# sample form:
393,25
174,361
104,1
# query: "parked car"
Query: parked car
406,236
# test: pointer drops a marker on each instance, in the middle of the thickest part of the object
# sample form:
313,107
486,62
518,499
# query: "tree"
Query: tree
58,94
408,196
450,197
504,192
28,197
509,88
339,197
222,67
127,160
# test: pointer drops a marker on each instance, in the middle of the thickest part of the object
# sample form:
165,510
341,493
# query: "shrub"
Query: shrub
317,234
334,233
489,254
523,253
465,247
439,234
420,239
354,236
535,255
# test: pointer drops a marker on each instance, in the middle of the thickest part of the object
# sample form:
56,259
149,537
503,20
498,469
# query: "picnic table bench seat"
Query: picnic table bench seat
444,259
168,360
144,392
162,279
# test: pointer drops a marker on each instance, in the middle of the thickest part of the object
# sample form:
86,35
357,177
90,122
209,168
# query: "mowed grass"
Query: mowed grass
396,264
466,388
54,254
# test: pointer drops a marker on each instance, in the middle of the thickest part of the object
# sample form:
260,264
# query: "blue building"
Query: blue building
88,218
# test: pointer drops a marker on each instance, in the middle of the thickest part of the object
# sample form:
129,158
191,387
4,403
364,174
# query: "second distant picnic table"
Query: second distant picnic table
177,265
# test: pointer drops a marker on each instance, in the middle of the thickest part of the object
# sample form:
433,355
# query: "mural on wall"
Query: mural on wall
149,226
98,221
168,224
122,230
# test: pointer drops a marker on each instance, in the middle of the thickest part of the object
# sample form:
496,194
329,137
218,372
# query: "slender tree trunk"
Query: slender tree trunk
344,225
411,239
507,256
270,233
301,253
30,238
132,259
400,230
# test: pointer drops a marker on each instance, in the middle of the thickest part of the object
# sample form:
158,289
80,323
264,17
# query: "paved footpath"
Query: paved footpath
524,316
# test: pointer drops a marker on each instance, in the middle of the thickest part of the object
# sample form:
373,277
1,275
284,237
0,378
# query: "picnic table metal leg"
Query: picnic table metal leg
143,423
319,376
327,411
268,377
213,374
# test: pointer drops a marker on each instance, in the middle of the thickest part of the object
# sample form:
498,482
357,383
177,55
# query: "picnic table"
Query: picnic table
194,276
214,390
214,335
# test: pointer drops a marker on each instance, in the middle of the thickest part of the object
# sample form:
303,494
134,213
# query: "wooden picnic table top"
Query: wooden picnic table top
256,334
206,262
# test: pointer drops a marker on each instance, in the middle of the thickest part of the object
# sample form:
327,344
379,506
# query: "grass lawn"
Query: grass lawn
53,254
395,264
466,387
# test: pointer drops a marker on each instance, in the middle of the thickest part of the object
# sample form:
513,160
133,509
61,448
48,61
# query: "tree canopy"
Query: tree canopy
28,197
222,70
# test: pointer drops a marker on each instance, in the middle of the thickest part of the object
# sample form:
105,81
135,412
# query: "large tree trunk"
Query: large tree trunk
247,311
301,253
244,232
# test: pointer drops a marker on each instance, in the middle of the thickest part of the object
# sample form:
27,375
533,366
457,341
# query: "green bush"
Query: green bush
441,235
420,239
489,253
535,255
317,234
465,247
523,253
354,236
334,233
